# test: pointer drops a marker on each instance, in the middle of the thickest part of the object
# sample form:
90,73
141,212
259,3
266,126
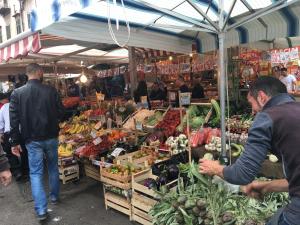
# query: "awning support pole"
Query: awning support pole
132,69
222,71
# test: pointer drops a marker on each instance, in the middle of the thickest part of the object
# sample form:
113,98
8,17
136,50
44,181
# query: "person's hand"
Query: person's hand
5,177
211,167
256,189
16,150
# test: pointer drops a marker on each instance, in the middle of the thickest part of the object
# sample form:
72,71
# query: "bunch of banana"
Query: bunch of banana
78,128
65,150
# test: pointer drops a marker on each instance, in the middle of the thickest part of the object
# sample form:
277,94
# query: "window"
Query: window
8,34
29,20
18,25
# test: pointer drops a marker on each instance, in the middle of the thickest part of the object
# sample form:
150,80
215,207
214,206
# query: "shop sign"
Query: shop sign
250,55
112,72
284,55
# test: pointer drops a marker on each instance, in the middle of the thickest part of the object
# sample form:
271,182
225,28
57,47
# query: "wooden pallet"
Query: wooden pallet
92,171
118,203
68,174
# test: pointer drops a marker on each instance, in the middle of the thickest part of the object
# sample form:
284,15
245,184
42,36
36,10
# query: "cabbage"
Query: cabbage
197,122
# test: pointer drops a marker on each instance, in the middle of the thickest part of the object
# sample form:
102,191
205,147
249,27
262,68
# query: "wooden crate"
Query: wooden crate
123,182
70,173
123,159
118,203
141,206
143,198
92,171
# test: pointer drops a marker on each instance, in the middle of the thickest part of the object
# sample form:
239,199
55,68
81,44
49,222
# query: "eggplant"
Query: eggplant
150,183
173,172
162,179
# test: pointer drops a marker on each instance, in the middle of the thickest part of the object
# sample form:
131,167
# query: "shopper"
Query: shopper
19,165
276,127
183,88
157,93
5,174
140,91
73,89
36,108
198,90
289,80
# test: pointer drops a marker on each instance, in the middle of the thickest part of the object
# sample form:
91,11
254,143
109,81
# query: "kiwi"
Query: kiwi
196,211
227,217
181,200
201,204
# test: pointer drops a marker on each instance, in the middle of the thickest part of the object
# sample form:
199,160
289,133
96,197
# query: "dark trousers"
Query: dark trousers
17,165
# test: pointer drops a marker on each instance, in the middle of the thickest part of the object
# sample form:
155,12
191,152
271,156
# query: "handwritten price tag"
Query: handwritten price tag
97,141
98,125
93,134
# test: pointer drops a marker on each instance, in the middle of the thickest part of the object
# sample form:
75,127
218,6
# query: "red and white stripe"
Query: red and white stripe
152,53
29,44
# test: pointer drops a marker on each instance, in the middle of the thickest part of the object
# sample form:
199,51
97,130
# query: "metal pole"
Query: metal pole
222,78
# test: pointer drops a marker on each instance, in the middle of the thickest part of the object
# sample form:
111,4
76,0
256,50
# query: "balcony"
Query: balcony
4,8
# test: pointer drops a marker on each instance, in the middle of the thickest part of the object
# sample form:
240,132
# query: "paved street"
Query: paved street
81,204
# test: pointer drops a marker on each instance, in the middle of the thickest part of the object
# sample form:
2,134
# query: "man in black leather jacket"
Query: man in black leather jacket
35,111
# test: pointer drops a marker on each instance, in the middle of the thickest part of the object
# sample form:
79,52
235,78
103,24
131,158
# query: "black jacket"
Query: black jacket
3,161
35,110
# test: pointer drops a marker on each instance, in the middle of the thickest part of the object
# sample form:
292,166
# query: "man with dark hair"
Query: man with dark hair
36,109
275,128
289,80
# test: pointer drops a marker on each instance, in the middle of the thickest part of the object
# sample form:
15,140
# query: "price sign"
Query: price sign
100,97
93,134
119,120
109,123
172,96
138,125
104,164
144,99
97,141
98,125
185,98
117,152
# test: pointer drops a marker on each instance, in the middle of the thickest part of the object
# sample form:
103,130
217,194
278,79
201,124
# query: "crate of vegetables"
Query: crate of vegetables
119,175
145,187
118,203
147,155
91,170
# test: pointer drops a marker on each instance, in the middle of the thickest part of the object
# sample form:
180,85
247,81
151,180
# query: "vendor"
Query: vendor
198,90
157,93
140,91
183,88
73,89
289,80
276,127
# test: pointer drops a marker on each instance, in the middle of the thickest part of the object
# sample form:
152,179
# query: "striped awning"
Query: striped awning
21,47
147,53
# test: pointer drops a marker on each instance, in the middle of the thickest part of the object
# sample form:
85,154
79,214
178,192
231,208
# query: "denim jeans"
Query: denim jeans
281,220
37,150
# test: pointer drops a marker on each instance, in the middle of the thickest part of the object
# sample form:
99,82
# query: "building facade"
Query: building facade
15,17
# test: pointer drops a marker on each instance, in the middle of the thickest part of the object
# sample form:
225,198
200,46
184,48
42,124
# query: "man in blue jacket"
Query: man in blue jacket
275,128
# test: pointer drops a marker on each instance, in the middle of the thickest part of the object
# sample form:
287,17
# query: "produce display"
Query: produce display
140,116
177,144
239,124
169,123
202,200
154,119
70,102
